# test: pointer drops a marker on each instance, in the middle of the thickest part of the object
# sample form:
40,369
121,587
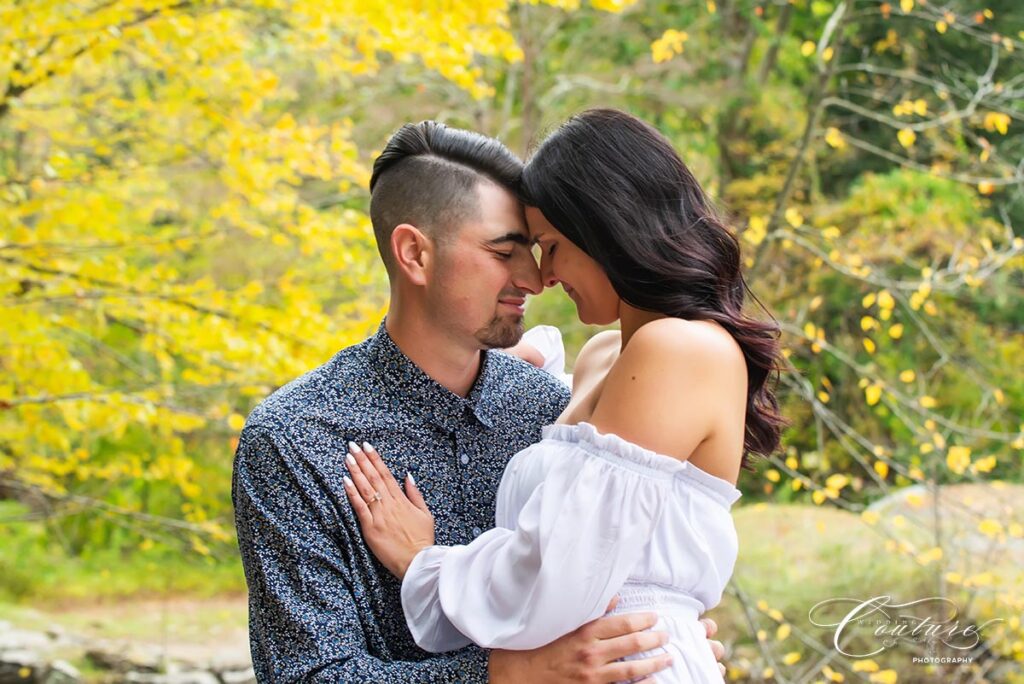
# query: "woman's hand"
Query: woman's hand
396,525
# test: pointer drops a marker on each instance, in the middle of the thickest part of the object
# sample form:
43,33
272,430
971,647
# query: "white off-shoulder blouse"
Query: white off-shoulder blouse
582,517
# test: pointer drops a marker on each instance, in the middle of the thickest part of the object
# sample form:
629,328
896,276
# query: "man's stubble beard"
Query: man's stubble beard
501,332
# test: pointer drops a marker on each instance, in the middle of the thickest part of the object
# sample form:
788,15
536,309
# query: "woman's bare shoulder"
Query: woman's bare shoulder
671,385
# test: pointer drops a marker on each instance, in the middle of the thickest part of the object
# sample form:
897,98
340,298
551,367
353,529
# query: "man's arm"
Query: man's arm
304,618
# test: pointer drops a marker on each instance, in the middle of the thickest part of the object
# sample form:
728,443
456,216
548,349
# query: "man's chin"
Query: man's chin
503,332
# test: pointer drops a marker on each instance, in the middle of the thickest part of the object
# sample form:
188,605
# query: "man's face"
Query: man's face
485,273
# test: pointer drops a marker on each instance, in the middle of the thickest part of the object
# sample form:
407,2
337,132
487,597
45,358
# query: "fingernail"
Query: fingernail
348,481
352,446
367,446
411,478
348,459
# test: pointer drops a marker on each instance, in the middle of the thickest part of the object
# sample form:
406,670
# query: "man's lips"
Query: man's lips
518,303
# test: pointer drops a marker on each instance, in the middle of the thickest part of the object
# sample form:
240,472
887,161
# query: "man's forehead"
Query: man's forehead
500,217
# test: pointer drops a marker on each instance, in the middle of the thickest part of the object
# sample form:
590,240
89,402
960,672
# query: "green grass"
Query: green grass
35,569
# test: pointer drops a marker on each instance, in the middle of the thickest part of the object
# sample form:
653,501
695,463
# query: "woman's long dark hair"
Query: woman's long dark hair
615,186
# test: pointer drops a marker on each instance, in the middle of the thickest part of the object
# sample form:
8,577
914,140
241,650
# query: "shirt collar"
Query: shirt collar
407,383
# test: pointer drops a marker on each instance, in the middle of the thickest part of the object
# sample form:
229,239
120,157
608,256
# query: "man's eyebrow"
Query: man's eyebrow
517,238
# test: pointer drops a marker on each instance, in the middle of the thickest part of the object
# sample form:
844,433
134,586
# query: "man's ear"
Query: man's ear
413,252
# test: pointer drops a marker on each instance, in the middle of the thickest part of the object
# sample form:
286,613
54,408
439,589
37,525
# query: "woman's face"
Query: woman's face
561,261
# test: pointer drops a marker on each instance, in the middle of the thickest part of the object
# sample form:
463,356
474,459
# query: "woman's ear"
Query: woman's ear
412,251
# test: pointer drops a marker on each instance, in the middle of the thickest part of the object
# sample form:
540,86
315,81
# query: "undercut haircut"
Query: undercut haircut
427,176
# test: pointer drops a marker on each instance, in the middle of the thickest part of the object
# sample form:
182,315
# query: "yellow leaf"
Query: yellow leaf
807,48
958,458
794,217
791,658
757,230
886,300
870,517
873,394
986,187
832,675
982,579
990,528
869,345
954,577
906,137
928,402
985,465
941,26
907,376
834,138
783,631
236,422
869,300
837,481
823,397
884,677
882,468
772,475
867,323
896,331
818,497
997,121
906,6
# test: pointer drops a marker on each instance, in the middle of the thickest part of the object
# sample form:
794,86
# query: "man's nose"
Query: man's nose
527,276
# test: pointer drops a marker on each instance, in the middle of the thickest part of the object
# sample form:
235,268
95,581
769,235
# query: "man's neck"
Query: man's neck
448,363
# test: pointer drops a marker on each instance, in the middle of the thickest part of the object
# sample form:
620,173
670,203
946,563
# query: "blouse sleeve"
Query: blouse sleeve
576,540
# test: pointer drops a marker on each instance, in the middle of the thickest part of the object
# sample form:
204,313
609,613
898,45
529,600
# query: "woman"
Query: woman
628,494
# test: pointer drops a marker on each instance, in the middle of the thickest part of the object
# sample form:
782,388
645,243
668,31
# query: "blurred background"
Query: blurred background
184,228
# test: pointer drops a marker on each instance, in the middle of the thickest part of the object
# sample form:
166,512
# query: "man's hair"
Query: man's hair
427,176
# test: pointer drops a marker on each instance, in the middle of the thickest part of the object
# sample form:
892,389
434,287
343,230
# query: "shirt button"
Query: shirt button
464,459
477,531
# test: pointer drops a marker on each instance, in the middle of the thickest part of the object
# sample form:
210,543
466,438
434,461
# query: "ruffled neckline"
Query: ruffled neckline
586,435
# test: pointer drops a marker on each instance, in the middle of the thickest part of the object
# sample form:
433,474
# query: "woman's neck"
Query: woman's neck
632,319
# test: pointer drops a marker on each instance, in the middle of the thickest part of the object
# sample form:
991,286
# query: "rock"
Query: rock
21,667
132,660
191,677
247,676
19,639
61,672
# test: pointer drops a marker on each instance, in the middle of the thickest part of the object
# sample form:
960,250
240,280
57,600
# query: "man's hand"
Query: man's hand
590,654
711,627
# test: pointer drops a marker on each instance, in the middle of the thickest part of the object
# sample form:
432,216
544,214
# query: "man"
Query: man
428,391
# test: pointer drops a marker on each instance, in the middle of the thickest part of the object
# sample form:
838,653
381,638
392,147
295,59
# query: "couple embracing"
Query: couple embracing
426,508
